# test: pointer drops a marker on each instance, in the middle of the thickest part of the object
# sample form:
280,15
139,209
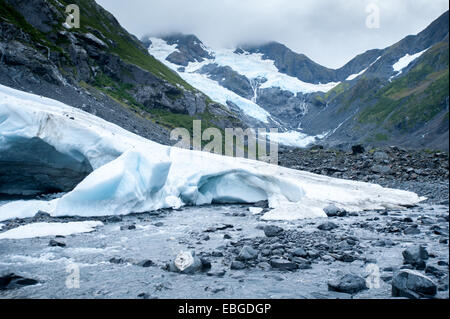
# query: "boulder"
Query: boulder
348,283
412,284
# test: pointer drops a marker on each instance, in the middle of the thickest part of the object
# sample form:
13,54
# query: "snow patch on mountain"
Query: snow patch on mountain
404,61
132,174
354,76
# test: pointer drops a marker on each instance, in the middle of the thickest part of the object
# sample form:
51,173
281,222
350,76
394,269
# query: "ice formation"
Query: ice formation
132,174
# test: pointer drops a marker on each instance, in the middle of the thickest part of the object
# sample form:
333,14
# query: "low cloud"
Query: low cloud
330,32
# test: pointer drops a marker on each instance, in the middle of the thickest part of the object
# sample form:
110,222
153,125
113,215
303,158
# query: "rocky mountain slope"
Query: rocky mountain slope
99,67
396,95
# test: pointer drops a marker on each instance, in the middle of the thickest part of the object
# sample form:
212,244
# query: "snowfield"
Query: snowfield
133,174
404,61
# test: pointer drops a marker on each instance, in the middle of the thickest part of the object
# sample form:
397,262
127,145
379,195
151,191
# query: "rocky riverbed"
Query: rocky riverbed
236,254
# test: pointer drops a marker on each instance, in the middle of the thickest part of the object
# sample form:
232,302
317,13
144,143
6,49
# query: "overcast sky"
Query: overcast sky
330,32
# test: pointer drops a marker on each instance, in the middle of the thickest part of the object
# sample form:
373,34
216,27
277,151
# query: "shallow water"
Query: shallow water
183,230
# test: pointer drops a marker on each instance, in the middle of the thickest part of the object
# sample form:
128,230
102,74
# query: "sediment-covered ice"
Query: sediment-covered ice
50,229
132,174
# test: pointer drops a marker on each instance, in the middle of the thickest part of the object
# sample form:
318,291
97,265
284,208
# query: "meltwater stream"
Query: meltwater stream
107,257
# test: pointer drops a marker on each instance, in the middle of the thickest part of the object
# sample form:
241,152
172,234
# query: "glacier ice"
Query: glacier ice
133,174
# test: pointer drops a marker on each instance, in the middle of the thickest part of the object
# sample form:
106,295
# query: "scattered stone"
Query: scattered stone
300,252
42,215
145,263
247,253
272,230
237,265
114,219
283,264
128,227
349,283
116,260
380,156
219,273
333,211
262,204
227,236
415,256
327,226
13,281
412,230
412,284
144,295
186,262
381,169
358,149
436,272
54,243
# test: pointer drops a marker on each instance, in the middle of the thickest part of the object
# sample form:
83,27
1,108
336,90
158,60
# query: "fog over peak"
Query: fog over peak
329,32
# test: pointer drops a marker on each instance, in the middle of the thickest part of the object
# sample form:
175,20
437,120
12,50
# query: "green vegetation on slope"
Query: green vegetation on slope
126,46
414,98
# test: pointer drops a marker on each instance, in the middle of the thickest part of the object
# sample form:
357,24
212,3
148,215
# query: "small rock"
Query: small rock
380,156
349,283
237,265
436,272
115,260
381,169
186,262
262,204
13,281
333,211
283,264
128,227
145,263
358,149
415,256
412,230
247,253
41,215
300,252
272,230
55,243
327,226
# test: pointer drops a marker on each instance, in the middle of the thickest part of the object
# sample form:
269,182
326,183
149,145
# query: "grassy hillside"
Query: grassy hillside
415,98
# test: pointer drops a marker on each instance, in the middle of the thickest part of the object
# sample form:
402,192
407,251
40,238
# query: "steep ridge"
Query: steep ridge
98,67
